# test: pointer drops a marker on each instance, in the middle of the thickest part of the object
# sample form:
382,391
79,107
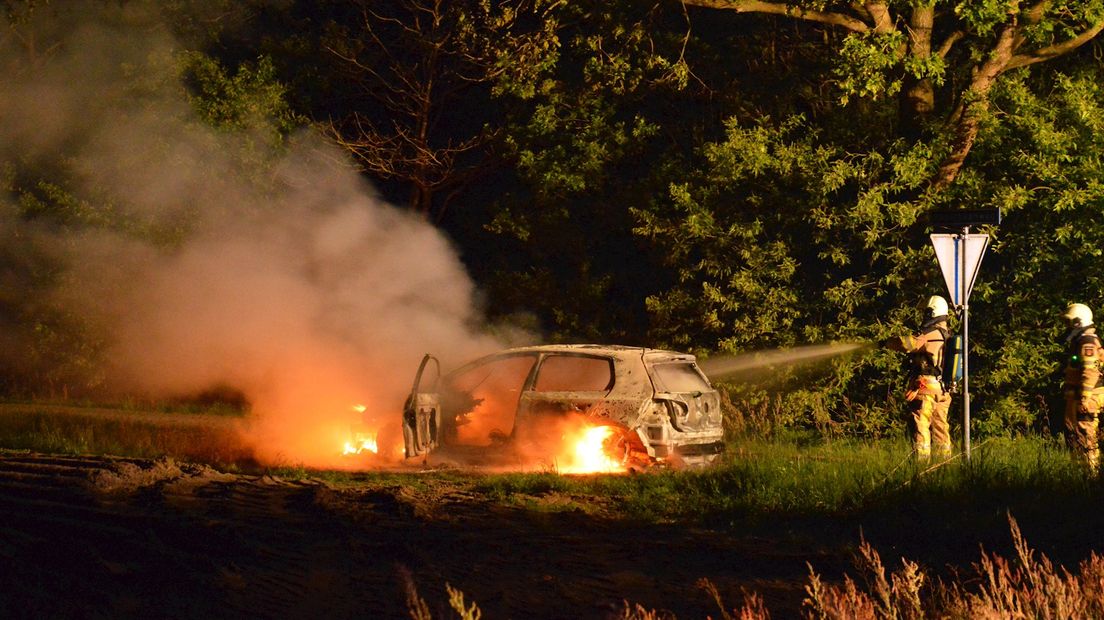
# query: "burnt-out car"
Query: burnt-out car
657,406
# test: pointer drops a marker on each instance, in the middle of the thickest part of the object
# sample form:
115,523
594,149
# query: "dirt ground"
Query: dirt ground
112,537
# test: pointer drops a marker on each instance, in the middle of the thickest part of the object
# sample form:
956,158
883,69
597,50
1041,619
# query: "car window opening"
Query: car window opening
479,405
680,377
573,373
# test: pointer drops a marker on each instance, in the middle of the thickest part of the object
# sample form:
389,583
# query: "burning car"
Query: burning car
574,407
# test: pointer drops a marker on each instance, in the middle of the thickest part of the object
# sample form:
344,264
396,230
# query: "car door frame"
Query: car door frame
421,417
526,411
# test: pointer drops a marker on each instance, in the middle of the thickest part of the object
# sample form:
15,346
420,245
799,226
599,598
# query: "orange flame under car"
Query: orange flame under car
584,447
587,451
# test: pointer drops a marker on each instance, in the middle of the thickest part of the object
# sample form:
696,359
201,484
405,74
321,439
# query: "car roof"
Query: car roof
598,349
622,353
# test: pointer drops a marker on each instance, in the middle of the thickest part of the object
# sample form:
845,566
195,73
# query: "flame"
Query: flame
362,442
588,452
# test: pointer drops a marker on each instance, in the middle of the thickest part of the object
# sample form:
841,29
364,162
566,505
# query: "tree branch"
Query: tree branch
1034,13
1058,49
949,42
975,102
879,12
788,10
860,9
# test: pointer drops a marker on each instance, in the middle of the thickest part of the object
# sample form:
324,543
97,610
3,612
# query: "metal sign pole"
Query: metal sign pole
959,256
965,349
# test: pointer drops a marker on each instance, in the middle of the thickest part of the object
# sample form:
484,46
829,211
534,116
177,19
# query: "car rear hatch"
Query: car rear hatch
692,403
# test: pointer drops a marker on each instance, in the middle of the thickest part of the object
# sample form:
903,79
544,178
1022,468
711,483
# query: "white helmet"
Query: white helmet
936,306
1078,315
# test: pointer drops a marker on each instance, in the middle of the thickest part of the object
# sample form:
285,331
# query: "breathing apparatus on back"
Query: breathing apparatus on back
937,310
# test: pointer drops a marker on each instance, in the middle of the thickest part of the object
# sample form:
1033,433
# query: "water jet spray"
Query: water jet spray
727,365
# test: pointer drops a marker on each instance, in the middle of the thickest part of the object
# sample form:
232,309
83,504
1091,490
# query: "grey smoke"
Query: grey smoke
302,289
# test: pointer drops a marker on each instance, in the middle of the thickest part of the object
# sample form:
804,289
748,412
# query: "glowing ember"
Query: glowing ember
589,453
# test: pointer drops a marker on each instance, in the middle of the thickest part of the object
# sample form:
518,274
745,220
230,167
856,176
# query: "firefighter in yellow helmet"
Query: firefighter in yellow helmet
928,401
1082,386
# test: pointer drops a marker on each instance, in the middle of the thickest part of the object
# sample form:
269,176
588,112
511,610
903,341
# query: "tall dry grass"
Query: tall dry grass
1027,586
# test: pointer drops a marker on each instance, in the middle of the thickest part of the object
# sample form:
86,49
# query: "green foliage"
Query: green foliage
785,239
982,16
575,131
788,231
248,99
865,60
1043,162
1008,415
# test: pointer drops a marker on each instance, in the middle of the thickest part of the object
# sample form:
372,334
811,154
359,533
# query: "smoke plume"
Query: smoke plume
298,287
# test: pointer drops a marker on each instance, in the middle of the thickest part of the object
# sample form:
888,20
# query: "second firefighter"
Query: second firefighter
1082,385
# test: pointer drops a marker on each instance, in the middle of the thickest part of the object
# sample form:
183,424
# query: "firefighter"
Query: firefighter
1082,385
928,399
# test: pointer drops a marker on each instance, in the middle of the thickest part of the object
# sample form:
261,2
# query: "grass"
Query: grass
205,437
799,478
140,405
791,480
832,493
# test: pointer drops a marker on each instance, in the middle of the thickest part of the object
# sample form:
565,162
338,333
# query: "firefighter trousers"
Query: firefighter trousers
929,404
1082,427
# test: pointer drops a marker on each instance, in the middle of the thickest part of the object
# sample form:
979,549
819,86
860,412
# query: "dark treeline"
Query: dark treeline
667,174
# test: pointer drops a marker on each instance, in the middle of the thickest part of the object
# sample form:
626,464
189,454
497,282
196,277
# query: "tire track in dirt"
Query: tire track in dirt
112,537
56,533
274,573
97,536
517,562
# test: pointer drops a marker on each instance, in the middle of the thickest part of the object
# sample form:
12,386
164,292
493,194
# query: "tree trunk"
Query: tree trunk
918,95
972,107
421,199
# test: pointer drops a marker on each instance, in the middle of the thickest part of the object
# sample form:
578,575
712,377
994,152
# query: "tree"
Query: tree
417,76
915,49
584,142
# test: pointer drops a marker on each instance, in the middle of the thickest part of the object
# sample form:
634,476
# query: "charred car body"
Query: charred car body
659,405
